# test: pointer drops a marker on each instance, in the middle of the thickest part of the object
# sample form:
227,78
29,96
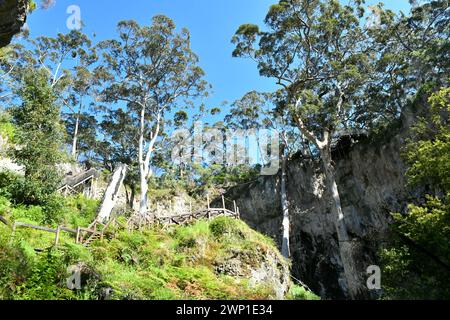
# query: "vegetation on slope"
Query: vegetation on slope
219,259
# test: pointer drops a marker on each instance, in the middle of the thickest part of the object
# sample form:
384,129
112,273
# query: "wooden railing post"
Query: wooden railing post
58,231
223,204
13,233
235,206
209,207
77,239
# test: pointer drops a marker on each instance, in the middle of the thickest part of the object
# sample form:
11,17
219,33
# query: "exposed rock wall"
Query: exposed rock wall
13,14
371,183
6,163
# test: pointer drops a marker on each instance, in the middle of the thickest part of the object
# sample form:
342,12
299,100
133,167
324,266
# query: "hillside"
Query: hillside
218,259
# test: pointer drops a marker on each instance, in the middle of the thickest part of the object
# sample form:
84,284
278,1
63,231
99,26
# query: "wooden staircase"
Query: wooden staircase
137,221
84,236
92,238
92,234
72,184
98,231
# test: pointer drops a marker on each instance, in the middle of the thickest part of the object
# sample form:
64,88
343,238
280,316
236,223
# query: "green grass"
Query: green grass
177,263
300,293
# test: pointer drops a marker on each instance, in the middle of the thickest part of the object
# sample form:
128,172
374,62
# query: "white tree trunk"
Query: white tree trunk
143,204
130,197
285,248
144,161
142,168
345,246
75,136
111,193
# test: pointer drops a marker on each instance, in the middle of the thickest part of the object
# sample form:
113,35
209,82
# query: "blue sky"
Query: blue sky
212,23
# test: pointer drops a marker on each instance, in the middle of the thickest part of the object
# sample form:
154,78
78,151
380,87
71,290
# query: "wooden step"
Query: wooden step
92,238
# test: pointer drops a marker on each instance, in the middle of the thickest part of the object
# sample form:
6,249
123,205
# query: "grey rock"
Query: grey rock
13,14
371,182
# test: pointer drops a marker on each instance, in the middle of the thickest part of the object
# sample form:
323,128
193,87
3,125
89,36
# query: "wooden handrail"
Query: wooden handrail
58,230
188,217
27,225
91,231
108,224
68,230
88,230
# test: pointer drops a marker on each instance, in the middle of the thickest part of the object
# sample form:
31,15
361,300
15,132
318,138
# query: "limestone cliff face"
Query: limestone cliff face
371,183
13,14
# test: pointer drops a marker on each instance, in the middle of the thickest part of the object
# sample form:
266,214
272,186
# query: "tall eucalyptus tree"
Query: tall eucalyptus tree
321,55
152,70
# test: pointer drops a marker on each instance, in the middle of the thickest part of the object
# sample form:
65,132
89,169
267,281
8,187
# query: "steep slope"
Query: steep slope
371,182
218,259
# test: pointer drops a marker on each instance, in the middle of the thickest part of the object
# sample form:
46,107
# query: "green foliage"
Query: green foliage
6,127
76,211
216,175
39,138
300,293
86,134
31,5
428,151
44,280
79,211
198,179
26,194
165,77
27,275
318,52
413,51
12,264
409,272
224,227
179,263
419,270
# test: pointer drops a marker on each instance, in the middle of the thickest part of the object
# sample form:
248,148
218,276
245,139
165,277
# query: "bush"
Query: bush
300,293
222,226
13,264
46,281
22,191
6,127
416,263
79,211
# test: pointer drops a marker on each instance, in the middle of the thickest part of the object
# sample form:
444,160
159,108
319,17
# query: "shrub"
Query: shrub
13,264
79,211
222,226
151,264
300,293
45,281
22,191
